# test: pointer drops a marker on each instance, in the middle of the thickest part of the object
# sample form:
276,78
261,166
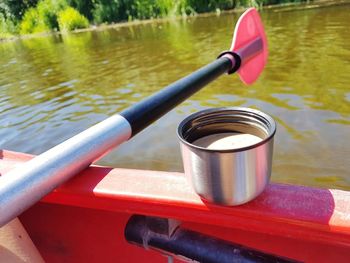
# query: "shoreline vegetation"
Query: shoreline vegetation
33,18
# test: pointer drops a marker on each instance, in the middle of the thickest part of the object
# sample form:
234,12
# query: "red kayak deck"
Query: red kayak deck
84,219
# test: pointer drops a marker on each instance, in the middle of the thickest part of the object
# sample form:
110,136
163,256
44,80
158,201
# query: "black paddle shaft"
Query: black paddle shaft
152,108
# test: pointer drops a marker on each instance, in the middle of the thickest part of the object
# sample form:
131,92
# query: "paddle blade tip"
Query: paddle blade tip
249,27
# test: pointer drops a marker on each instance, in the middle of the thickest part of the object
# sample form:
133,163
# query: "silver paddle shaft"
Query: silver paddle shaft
28,183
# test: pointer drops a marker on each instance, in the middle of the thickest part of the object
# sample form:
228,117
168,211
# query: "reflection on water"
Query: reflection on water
53,87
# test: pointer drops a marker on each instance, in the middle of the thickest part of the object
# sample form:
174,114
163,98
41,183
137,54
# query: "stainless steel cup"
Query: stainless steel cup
234,176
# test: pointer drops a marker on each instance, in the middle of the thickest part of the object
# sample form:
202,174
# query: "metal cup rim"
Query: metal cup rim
269,119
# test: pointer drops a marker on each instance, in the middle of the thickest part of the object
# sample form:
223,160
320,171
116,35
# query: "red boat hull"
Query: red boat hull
84,219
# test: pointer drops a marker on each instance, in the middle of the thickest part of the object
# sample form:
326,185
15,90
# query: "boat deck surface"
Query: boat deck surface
84,219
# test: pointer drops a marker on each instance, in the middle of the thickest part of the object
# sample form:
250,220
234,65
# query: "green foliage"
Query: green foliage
48,11
31,22
8,23
85,7
108,11
32,16
70,19
7,27
15,9
201,6
144,9
167,7
43,17
52,15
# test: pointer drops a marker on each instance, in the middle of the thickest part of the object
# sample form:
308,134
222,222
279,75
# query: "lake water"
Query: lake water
53,87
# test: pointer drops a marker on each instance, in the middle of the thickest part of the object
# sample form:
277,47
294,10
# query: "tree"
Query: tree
15,9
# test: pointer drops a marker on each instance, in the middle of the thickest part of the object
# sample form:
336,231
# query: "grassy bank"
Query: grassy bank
37,16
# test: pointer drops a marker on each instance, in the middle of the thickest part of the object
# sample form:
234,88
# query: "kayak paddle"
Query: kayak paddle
27,184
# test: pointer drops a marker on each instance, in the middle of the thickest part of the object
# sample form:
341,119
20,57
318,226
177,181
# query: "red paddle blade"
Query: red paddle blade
249,41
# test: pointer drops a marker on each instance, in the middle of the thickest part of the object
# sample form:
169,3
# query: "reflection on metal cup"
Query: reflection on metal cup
227,153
